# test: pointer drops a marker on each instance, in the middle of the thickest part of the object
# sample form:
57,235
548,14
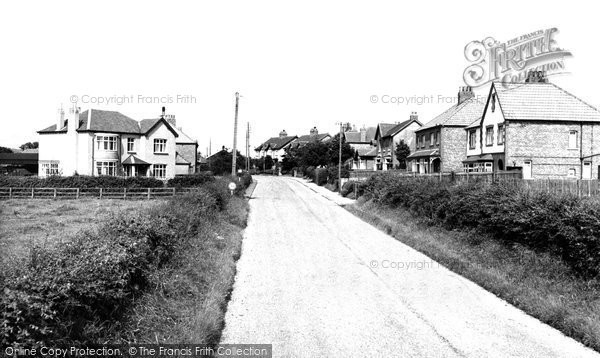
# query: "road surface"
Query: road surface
315,281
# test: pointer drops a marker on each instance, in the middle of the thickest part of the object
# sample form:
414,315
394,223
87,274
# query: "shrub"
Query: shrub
192,180
320,176
74,292
566,226
80,181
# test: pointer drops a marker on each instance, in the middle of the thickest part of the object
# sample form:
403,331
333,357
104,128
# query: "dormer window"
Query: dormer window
160,146
107,143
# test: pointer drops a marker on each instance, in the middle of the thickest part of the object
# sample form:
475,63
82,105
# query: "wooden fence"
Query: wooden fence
99,193
553,186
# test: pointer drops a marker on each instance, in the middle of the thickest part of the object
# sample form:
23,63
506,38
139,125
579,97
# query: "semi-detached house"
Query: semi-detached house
537,127
98,142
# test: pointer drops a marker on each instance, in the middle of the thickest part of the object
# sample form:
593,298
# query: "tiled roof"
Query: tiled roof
398,127
133,160
19,158
475,124
383,128
180,160
367,152
276,143
111,122
544,102
310,138
424,153
458,115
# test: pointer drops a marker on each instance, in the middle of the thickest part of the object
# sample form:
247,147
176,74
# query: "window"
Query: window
160,146
489,167
130,144
437,138
160,171
572,173
572,139
50,168
431,139
472,138
106,168
493,103
489,135
107,143
423,141
501,134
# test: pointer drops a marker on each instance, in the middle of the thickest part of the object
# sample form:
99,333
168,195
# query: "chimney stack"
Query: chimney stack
60,119
414,116
170,118
73,121
314,131
282,134
164,110
464,93
363,134
536,77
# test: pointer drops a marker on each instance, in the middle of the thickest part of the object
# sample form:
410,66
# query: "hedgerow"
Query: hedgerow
75,292
566,226
192,180
80,181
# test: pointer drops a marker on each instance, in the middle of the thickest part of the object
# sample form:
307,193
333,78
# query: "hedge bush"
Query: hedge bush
566,226
73,292
80,181
320,176
192,180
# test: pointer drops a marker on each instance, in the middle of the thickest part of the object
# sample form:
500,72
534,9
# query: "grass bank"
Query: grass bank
161,272
538,283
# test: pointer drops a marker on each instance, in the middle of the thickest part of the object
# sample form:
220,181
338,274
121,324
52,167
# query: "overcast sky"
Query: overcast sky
296,64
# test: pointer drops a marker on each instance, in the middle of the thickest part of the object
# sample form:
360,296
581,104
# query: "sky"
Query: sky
296,64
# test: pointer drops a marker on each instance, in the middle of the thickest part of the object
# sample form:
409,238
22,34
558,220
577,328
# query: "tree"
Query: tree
334,150
402,152
220,163
5,150
29,145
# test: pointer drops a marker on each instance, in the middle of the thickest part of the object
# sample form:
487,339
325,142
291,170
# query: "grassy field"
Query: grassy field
537,283
27,221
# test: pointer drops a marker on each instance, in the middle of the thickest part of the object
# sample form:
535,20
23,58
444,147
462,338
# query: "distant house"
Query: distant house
389,135
19,163
275,146
440,142
97,142
536,127
186,150
312,137
363,142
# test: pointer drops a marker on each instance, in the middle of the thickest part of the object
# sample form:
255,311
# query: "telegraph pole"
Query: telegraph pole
248,148
340,160
233,153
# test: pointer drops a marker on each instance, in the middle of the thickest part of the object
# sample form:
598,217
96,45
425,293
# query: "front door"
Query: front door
587,170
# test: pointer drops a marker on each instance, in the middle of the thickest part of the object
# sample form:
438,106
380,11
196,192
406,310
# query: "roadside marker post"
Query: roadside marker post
232,187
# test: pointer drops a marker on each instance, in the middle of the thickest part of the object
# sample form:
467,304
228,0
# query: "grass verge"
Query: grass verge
540,284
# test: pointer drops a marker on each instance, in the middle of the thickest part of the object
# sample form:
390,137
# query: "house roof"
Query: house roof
382,129
424,153
459,115
354,136
367,152
543,102
181,160
19,158
309,137
479,158
475,124
399,127
276,143
133,160
112,122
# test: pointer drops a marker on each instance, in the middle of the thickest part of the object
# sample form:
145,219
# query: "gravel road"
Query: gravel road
315,281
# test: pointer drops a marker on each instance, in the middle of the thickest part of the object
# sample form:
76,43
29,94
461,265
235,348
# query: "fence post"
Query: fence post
32,189
10,193
100,193
148,193
174,190
124,193
54,193
77,193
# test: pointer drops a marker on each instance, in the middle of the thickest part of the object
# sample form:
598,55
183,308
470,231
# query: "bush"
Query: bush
192,180
80,181
566,226
74,292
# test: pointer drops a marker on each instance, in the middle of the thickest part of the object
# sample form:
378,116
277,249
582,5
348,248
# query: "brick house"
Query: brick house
389,135
363,142
97,142
313,136
537,127
440,142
